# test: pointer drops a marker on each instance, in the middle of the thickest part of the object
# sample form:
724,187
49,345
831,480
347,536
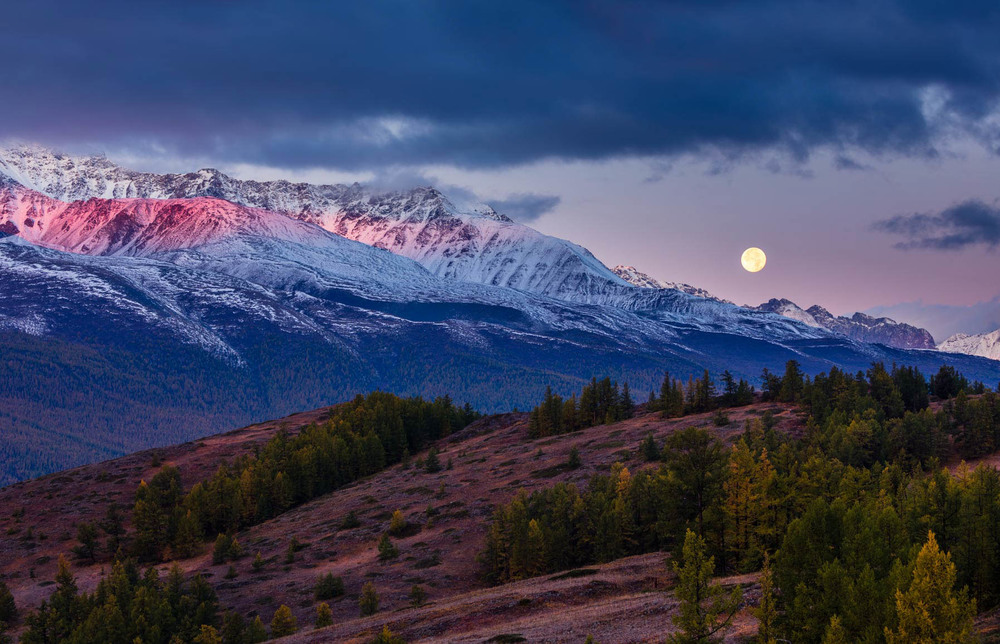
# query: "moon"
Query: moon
753,259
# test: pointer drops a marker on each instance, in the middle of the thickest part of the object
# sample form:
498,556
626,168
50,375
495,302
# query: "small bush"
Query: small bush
350,521
387,549
328,587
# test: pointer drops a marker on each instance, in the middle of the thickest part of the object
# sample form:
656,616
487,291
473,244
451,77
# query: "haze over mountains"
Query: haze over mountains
169,306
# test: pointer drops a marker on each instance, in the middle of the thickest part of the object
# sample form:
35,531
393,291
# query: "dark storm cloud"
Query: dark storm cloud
360,85
965,224
525,207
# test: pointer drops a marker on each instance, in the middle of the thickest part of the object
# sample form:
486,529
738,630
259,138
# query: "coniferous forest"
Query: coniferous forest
862,525
863,534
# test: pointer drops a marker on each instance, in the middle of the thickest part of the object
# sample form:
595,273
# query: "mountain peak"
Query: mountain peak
986,345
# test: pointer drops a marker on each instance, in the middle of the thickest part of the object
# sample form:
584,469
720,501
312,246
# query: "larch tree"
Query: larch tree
931,610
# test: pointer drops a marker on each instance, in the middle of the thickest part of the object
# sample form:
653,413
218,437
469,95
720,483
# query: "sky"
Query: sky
857,143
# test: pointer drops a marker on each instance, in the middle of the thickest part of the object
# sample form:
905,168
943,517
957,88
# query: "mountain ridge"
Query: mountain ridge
860,326
481,245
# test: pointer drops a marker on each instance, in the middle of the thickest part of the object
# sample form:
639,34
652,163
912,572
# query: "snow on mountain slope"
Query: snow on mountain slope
141,226
789,309
479,246
635,277
860,327
986,345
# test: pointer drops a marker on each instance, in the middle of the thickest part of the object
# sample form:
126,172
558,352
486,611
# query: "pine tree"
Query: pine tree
397,524
570,415
8,609
324,616
931,610
417,595
433,464
256,632
206,635
189,536
388,637
149,524
835,632
220,551
742,502
666,392
705,608
258,563
328,587
766,611
113,525
234,628
86,534
650,451
368,601
284,622
728,389
627,404
387,549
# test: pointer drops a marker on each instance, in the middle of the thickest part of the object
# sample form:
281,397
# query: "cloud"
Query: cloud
357,86
969,223
525,207
522,207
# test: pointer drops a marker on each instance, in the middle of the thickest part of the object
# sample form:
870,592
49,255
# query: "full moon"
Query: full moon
753,259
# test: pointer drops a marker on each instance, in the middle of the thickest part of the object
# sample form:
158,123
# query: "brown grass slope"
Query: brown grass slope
490,461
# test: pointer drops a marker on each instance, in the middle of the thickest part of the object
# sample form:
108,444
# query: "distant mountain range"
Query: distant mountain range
860,327
143,309
944,320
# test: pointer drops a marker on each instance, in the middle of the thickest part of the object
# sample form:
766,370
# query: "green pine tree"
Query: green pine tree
705,608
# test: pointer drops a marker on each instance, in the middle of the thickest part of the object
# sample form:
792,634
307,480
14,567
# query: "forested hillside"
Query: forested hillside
819,509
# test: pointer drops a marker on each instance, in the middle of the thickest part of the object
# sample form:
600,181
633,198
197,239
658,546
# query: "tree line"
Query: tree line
360,438
600,402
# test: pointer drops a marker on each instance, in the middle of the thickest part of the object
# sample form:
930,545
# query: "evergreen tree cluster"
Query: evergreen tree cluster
600,402
127,606
863,536
361,438
700,395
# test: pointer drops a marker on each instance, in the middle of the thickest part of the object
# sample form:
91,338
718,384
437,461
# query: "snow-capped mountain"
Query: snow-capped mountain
479,245
140,227
860,327
986,345
635,277
159,295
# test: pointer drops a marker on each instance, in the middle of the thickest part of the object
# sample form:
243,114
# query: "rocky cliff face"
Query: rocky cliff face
860,327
